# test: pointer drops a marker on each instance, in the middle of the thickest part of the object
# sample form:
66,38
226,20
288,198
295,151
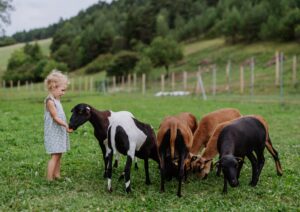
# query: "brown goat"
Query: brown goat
174,140
208,124
202,164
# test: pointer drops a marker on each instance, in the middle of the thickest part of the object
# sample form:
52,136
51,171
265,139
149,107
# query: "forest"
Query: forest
130,33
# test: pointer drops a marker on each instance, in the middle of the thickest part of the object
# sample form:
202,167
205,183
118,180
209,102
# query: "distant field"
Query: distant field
5,52
23,162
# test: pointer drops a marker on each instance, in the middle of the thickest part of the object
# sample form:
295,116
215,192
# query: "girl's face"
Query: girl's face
58,91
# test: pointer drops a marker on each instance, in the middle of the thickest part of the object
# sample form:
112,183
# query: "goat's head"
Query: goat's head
81,113
229,165
198,165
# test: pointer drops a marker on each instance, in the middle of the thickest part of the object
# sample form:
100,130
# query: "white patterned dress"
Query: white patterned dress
56,137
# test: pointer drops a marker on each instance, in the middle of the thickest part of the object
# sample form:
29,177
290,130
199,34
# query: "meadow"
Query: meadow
23,161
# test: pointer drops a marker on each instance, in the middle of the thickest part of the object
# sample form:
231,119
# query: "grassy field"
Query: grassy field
23,162
5,52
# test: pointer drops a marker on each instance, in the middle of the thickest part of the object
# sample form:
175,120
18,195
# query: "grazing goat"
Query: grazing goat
133,138
82,113
238,139
202,164
208,124
174,140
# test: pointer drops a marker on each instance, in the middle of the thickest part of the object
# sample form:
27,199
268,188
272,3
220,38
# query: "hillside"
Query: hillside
5,52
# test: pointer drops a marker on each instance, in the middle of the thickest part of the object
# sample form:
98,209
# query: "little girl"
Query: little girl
56,128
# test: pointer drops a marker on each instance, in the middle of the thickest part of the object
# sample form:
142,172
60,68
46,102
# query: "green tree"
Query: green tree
162,27
164,52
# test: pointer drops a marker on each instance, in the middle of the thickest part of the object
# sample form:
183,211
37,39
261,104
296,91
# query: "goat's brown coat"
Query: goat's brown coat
208,124
204,162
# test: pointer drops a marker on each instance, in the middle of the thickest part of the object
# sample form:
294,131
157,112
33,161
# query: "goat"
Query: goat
208,124
174,140
82,113
202,164
239,139
133,138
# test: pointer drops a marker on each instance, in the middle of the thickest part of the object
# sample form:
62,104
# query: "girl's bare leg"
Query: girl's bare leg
52,165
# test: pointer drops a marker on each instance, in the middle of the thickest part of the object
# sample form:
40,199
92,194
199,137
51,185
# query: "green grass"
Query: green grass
23,161
5,52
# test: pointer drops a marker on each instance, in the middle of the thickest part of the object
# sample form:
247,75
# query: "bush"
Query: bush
123,63
101,63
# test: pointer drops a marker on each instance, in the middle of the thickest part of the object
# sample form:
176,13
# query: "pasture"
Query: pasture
82,187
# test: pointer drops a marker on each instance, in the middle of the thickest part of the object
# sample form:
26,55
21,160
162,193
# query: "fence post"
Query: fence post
294,80
241,79
281,76
122,82
162,83
129,82
277,68
19,85
173,81
200,82
252,66
184,80
4,84
91,84
11,84
134,81
228,69
26,83
144,84
114,83
214,75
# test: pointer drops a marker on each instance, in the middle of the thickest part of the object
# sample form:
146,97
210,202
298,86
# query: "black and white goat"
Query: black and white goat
82,113
133,138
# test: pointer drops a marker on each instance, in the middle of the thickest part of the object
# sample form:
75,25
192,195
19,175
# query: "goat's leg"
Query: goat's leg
103,148
260,162
162,172
136,164
253,161
274,154
109,171
116,163
146,165
181,173
225,186
127,173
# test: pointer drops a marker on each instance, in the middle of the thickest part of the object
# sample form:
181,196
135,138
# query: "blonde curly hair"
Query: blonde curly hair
56,78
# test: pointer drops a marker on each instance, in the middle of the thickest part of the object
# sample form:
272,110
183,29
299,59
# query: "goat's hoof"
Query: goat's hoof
179,195
253,184
128,190
109,190
204,177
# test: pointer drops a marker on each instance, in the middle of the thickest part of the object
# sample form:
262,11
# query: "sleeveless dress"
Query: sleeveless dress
56,137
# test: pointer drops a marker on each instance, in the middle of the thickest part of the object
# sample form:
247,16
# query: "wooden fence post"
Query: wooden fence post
162,83
173,81
241,79
228,70
19,84
26,83
184,80
200,83
114,83
277,67
11,84
4,84
72,84
122,82
214,81
91,84
129,82
134,81
144,84
252,66
294,79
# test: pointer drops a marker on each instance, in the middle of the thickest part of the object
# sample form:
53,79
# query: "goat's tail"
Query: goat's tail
173,135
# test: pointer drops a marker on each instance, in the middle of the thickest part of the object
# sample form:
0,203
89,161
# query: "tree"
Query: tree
163,52
5,8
